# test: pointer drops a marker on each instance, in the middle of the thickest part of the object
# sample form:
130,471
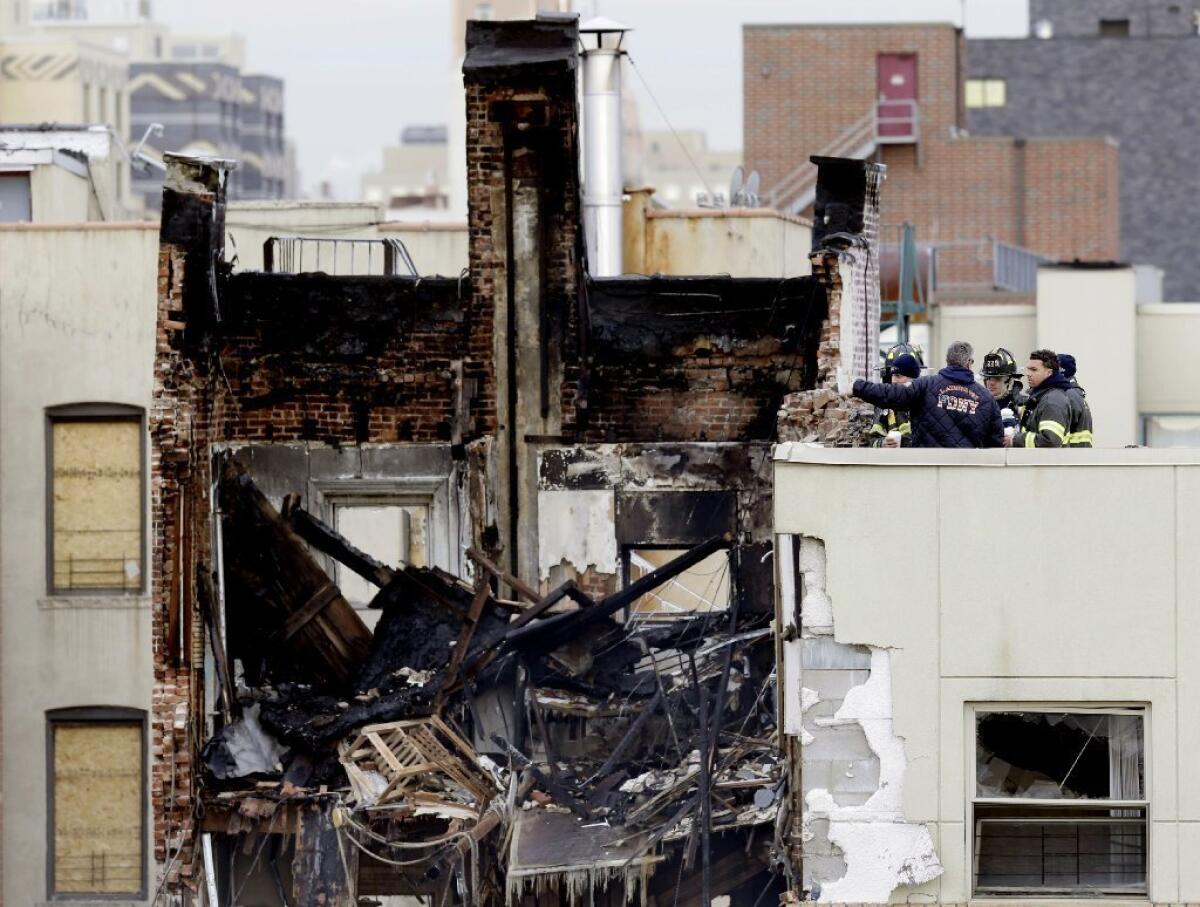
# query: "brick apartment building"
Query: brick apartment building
578,431
1118,68
896,93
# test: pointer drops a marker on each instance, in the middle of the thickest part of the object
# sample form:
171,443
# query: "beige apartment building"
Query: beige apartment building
1015,717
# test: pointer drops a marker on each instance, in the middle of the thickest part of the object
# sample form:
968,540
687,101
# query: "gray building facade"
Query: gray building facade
211,108
1120,68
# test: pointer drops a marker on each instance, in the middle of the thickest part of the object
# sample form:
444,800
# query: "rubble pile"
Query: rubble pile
543,743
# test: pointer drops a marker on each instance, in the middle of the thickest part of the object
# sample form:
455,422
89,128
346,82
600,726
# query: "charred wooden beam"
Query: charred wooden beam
549,634
463,643
267,565
324,869
569,589
329,541
560,793
516,583
635,726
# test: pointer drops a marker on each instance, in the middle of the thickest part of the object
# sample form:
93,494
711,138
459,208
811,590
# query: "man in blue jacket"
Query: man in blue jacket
949,409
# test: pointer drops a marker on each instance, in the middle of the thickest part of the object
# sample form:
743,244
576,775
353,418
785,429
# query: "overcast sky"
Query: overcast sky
357,71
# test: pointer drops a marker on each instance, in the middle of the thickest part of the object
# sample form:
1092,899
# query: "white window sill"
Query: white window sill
93,603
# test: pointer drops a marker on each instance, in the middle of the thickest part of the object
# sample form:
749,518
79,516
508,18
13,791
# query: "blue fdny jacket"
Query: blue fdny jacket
949,409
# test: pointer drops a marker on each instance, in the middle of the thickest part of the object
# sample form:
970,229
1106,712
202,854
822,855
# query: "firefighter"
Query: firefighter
949,409
1047,417
1000,377
1079,432
902,364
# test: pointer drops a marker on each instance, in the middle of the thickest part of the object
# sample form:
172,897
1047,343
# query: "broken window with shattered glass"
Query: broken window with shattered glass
1060,802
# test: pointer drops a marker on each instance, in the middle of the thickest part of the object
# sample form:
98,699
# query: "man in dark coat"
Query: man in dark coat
949,409
1047,418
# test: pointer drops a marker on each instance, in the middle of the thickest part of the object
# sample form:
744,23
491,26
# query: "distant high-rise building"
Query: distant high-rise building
108,62
212,108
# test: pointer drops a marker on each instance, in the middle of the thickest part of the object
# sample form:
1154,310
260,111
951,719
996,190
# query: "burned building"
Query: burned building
463,587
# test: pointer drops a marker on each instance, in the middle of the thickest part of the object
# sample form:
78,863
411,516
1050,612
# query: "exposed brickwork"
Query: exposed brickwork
661,369
341,360
804,85
539,156
181,426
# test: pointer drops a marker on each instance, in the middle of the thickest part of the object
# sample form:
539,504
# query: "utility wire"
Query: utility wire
663,114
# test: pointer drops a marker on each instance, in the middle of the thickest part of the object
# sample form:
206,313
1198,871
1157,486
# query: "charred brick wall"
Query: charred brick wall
342,360
183,421
522,132
697,359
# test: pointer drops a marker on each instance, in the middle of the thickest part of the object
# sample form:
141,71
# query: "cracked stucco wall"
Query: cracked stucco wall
857,846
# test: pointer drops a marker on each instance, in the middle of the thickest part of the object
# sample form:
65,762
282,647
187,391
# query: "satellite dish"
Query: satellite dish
751,189
735,186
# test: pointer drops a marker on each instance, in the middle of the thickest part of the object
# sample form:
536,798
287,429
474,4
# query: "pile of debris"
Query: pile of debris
543,743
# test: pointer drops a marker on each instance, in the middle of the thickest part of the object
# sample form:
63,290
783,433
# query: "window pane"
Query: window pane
97,504
1173,431
1060,851
705,587
1059,756
97,808
974,93
995,93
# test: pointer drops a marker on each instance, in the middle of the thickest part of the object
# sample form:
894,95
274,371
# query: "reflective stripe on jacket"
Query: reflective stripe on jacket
887,420
1079,432
1047,417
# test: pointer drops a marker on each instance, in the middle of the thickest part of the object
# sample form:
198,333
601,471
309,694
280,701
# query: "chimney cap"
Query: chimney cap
602,25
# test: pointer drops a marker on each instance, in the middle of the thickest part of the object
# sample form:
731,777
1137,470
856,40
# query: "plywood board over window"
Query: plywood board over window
96,500
97,804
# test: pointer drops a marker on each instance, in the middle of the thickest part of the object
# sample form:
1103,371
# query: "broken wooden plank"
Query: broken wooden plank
329,541
515,583
320,600
463,643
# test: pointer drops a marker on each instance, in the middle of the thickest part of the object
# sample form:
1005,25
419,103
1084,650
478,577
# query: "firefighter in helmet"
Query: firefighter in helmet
902,364
1000,378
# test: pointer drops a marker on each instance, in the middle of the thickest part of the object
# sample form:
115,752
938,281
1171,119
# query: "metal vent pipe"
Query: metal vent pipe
603,185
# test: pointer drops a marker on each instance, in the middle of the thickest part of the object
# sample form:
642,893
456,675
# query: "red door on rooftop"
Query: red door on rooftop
897,78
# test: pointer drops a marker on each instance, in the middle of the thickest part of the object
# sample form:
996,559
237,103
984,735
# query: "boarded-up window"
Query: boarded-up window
96,502
701,588
97,807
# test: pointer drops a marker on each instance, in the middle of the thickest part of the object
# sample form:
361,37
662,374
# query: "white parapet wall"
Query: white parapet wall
973,579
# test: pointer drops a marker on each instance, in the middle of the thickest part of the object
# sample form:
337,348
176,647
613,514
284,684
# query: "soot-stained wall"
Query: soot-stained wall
344,360
696,358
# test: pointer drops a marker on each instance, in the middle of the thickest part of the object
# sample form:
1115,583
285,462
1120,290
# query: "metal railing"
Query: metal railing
883,124
897,122
973,265
1015,268
345,257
